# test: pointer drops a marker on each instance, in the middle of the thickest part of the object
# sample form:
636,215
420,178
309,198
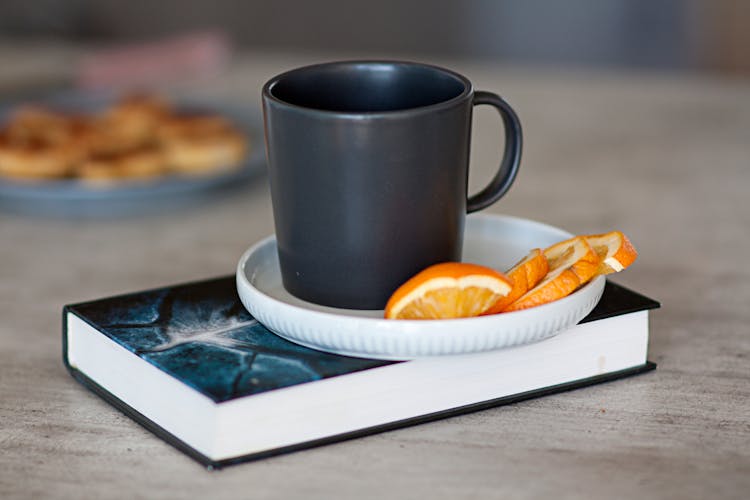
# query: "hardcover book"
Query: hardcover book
190,364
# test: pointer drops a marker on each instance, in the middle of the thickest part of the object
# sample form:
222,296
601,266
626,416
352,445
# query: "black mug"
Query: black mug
368,167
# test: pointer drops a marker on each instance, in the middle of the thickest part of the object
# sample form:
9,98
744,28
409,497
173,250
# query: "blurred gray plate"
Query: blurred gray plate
73,198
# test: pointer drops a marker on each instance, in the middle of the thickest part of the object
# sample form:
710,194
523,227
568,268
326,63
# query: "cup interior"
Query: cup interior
367,87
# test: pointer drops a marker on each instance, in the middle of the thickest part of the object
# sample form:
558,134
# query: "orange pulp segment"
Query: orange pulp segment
448,290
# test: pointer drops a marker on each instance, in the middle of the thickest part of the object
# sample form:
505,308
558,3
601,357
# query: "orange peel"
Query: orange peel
572,263
525,274
614,249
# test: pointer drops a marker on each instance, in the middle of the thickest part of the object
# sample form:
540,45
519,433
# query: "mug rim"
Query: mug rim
467,91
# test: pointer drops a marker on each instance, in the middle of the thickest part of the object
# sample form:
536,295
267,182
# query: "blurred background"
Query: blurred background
680,35
225,49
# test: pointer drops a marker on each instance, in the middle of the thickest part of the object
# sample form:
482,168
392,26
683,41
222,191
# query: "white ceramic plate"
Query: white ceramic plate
495,241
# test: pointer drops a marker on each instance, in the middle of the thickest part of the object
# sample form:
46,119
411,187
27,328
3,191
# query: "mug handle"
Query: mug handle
508,170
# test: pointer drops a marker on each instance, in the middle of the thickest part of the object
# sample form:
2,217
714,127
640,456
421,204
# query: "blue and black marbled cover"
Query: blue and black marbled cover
201,334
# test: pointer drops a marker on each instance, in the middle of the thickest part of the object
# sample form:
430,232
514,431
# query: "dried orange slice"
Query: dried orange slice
585,266
526,274
614,250
448,290
572,263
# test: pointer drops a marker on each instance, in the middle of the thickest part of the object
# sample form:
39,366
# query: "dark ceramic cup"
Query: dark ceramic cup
368,166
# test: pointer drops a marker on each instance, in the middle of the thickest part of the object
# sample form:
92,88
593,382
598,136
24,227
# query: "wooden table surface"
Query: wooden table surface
665,158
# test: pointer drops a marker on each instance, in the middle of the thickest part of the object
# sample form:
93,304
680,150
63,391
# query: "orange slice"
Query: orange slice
578,254
614,250
448,290
572,263
525,275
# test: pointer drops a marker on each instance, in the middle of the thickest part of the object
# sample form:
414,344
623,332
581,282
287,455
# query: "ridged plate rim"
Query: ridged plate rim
349,333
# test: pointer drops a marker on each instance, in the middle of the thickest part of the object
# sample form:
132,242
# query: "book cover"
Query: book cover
200,334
